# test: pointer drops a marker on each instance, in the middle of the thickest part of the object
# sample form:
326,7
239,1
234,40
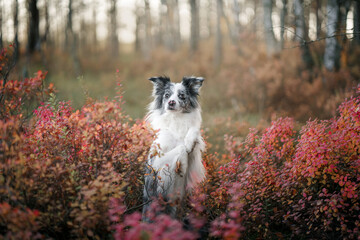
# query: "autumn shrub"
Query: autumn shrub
289,184
18,223
78,161
60,168
160,226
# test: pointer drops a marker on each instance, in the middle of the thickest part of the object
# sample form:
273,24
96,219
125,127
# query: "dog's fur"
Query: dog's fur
177,166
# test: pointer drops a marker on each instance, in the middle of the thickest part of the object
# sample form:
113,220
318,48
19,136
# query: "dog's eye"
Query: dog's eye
181,96
167,95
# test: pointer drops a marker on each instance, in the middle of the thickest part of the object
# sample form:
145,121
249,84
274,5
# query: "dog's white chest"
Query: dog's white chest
168,140
177,124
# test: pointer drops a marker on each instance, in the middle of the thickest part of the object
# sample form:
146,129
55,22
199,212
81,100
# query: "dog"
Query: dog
177,165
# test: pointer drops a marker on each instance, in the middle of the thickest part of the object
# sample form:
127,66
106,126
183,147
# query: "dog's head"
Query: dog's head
176,97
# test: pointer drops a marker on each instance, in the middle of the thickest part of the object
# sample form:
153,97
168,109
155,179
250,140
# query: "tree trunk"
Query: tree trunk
138,22
195,25
236,14
231,28
69,35
282,22
1,23
147,46
256,21
271,43
71,39
357,22
299,21
218,42
45,37
94,27
162,25
177,32
16,30
344,6
332,48
169,25
114,41
33,28
301,35
318,19
209,19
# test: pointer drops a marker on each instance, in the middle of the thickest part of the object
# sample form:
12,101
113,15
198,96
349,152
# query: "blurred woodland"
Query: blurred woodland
281,117
261,59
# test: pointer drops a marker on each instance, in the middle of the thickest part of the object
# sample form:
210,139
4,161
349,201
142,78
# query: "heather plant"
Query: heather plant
60,168
89,155
19,97
295,185
160,226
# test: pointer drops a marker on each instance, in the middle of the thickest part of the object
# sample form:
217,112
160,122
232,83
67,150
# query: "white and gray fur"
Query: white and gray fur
176,114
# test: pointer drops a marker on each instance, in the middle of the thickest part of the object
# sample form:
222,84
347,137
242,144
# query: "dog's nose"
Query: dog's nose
172,103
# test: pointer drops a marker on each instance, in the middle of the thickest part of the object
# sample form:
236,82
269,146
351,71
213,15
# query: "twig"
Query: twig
136,207
304,43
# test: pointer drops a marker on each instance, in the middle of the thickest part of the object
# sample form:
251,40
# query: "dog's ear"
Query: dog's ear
193,84
160,80
159,84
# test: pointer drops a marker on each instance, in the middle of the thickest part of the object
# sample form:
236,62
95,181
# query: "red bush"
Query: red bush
17,223
84,158
65,165
296,186
161,226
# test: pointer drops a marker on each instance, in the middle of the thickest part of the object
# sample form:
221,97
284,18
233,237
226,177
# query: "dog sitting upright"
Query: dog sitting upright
176,114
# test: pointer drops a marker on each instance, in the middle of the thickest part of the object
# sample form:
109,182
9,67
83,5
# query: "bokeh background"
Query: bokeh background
261,59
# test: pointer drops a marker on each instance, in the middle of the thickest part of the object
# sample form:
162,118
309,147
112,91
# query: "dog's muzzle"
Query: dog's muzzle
171,105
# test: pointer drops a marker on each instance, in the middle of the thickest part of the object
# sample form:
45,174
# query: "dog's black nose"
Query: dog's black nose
172,103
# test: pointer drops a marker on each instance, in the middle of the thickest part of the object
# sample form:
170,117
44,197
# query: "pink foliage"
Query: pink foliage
161,226
295,184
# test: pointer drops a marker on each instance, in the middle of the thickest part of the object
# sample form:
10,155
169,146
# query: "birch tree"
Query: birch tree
94,26
147,46
138,22
218,38
209,20
46,37
169,25
301,35
173,25
113,29
16,29
69,34
1,23
282,21
236,14
195,25
271,42
357,22
33,27
318,19
332,48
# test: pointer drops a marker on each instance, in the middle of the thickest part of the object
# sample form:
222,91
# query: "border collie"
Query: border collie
177,166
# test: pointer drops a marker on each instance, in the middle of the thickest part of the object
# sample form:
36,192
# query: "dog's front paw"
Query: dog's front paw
191,139
182,162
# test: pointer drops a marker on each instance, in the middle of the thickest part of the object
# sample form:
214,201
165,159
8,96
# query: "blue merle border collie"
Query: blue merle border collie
177,166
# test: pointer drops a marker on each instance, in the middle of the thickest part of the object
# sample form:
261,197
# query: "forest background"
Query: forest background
260,58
